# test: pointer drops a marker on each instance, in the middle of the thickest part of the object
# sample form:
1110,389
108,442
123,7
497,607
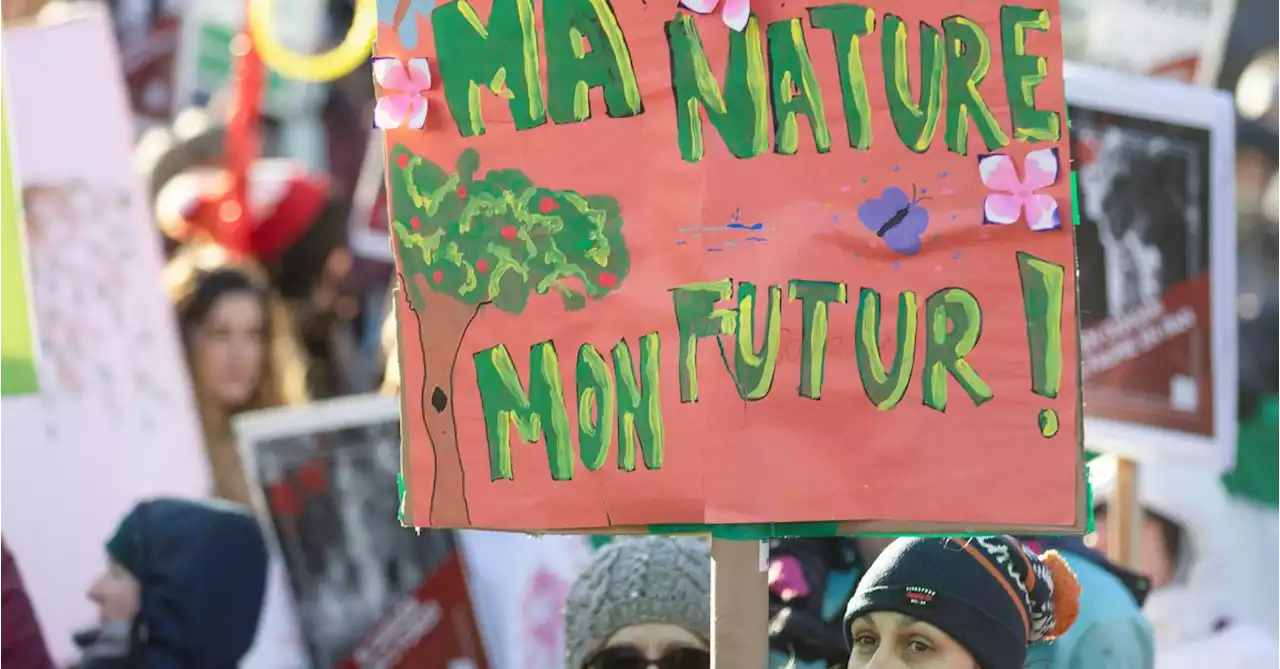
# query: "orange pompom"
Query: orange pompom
1066,593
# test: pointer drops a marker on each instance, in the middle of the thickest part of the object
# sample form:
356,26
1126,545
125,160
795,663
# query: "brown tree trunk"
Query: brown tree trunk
442,325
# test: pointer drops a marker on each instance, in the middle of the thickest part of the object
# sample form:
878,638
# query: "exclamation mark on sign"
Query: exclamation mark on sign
1042,284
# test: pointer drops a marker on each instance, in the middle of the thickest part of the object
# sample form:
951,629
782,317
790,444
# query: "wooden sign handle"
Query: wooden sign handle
1124,517
739,605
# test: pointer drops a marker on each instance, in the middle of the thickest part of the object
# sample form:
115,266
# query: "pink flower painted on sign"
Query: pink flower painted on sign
402,100
735,12
1015,196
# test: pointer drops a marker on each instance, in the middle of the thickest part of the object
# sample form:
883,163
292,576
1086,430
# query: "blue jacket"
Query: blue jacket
202,568
1111,632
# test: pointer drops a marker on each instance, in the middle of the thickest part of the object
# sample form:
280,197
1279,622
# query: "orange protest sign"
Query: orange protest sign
657,270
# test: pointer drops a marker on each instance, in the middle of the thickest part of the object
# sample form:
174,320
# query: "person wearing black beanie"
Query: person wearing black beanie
958,603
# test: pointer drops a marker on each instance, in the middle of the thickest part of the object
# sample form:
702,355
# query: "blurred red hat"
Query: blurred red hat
285,200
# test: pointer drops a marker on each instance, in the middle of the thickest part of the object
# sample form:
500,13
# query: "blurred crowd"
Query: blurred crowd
184,583
296,314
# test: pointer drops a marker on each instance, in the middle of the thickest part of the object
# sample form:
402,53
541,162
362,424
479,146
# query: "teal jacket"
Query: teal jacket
1110,633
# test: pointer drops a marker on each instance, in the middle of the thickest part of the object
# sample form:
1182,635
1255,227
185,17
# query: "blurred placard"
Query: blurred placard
368,592
1179,39
19,372
1156,245
114,420
204,61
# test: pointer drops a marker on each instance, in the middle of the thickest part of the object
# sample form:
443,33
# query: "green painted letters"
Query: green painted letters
572,71
885,388
968,60
814,297
953,325
586,49
540,411
754,369
740,113
502,56
915,122
1042,286
698,317
1023,73
595,408
639,405
795,89
847,23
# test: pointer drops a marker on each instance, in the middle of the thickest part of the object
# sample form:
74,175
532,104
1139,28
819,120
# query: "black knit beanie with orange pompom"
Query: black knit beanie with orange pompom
991,594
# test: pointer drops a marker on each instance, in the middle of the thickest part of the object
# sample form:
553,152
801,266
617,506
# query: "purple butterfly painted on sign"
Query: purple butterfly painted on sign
897,219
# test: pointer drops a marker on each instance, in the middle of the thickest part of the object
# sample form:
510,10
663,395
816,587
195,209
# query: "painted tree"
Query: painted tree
468,242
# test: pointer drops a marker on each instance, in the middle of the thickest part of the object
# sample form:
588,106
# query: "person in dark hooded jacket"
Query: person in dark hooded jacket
183,588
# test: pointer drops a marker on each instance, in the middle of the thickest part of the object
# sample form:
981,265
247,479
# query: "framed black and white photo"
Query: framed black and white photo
325,479
1154,163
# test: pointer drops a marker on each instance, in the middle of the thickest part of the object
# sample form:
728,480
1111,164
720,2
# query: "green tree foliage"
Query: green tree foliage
497,238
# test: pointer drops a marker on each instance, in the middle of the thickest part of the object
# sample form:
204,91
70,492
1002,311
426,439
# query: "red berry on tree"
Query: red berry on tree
414,222
482,266
462,192
509,233
547,205
607,280
437,276
402,161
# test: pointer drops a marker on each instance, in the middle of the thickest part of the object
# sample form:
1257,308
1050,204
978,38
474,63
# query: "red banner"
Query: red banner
433,629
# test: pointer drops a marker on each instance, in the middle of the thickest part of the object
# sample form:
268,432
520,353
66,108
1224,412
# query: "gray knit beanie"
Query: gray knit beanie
632,581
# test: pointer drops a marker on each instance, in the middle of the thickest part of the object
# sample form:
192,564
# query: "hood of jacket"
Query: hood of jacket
1110,631
1195,604
202,566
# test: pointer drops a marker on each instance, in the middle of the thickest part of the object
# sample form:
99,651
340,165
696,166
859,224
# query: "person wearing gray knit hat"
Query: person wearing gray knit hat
641,602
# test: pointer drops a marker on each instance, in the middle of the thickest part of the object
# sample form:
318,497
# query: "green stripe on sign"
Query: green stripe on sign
18,369
813,530
1075,200
1075,188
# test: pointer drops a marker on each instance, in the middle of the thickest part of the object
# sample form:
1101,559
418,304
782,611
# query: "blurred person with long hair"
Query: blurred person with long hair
298,237
390,352
240,348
